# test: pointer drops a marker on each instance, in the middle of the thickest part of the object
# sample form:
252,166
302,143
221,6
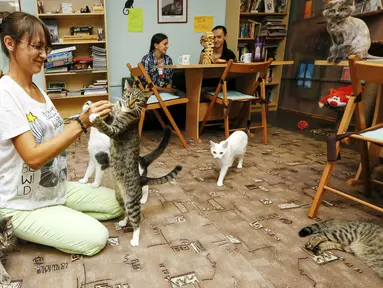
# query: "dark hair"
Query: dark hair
18,24
223,28
157,39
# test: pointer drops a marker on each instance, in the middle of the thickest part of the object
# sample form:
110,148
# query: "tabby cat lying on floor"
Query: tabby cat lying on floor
7,244
364,239
124,154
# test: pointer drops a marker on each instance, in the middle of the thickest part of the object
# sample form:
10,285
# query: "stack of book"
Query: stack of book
273,27
99,58
56,92
98,87
59,60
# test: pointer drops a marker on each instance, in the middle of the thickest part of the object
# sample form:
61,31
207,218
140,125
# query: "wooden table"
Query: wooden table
194,74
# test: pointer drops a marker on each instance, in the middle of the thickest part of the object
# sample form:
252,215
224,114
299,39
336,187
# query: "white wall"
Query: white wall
127,47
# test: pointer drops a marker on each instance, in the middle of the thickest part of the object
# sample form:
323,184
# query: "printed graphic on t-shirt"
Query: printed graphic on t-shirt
51,175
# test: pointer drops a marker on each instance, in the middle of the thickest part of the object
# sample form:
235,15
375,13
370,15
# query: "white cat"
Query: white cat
226,151
99,155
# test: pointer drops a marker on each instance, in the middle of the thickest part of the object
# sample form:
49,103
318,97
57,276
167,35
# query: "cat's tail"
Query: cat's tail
102,159
161,147
163,179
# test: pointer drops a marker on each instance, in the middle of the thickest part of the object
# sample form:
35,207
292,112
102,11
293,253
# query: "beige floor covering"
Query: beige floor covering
186,223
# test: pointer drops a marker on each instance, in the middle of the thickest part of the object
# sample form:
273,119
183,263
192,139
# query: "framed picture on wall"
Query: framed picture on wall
172,11
9,6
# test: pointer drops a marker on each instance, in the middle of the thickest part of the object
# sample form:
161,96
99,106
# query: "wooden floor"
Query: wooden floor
186,224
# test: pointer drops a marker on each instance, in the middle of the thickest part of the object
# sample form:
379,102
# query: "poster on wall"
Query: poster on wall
172,11
8,6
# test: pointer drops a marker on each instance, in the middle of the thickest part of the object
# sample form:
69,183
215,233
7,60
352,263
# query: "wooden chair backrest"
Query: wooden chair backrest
245,69
135,72
249,68
140,71
368,71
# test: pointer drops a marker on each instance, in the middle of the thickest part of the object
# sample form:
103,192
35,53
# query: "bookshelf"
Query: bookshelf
234,18
78,82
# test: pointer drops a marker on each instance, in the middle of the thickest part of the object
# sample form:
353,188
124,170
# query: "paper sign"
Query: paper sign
136,20
203,23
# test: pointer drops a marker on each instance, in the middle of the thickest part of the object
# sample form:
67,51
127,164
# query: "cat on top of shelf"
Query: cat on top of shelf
349,35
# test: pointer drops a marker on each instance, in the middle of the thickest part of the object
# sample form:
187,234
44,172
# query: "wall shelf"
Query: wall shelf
78,43
55,15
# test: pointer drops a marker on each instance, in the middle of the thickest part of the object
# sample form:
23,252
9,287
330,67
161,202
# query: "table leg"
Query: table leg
193,79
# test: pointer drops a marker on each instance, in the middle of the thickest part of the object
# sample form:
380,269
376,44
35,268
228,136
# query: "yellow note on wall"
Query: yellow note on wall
136,20
203,23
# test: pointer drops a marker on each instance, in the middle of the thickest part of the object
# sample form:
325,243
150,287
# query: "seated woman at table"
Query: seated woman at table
161,77
220,50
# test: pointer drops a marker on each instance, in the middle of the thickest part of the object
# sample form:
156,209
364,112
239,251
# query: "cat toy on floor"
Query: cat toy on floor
128,5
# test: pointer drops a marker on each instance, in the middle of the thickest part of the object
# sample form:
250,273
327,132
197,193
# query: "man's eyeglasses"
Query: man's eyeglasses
38,48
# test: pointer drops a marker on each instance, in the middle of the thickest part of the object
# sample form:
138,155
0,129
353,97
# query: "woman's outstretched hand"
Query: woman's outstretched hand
102,108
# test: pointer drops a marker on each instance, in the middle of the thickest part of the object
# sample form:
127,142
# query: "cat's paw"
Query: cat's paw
123,223
337,60
239,166
93,117
330,59
86,106
96,184
5,278
219,184
134,242
83,180
144,199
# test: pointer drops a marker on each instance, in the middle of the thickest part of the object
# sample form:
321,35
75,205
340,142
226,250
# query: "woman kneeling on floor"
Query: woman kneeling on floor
45,207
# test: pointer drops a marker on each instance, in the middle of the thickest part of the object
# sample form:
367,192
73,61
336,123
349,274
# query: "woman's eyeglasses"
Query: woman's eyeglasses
38,48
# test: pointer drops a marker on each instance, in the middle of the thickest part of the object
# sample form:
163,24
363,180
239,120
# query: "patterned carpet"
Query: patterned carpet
195,234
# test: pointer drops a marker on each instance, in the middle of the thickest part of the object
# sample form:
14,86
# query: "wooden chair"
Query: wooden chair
369,72
157,101
225,98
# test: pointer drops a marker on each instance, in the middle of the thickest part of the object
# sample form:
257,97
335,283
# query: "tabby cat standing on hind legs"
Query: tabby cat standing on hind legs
364,239
125,147
349,35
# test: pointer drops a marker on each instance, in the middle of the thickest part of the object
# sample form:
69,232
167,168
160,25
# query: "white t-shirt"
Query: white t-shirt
21,187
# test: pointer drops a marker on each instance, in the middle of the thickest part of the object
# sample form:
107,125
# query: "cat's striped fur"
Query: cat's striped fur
122,128
364,239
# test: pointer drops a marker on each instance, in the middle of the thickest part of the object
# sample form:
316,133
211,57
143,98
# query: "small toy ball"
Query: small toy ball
302,125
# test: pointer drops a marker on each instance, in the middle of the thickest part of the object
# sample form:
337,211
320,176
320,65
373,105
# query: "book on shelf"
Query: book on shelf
53,29
61,69
249,29
59,56
61,50
63,62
